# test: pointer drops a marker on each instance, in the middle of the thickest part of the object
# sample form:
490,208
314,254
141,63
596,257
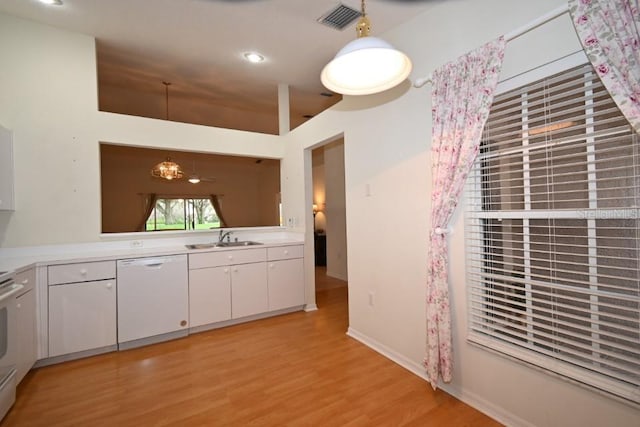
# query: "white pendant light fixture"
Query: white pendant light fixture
366,65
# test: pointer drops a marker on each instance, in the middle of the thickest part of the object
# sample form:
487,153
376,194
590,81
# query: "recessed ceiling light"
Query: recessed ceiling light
52,2
253,57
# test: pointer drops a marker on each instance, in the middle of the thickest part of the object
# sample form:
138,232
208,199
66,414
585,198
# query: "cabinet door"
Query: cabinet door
6,170
27,346
286,284
82,316
249,289
209,295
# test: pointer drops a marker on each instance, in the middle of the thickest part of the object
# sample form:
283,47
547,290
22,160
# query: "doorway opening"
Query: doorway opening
328,202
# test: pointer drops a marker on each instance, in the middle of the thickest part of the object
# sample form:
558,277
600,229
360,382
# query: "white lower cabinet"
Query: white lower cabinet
27,351
155,297
249,293
209,295
227,285
286,277
82,316
286,284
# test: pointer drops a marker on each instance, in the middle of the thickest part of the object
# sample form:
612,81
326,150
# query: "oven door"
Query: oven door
8,341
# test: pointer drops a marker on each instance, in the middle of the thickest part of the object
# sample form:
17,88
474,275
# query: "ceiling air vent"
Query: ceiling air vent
339,17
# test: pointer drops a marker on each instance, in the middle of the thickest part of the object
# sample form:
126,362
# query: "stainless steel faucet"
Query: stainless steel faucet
224,234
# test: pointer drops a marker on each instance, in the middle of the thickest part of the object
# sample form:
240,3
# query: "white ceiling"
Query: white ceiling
198,46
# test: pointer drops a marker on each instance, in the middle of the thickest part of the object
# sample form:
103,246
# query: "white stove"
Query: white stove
8,340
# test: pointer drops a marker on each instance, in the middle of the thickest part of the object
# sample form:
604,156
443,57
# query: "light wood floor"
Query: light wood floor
324,282
298,369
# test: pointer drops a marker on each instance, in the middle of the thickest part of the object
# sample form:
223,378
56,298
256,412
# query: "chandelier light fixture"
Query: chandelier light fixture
168,169
365,65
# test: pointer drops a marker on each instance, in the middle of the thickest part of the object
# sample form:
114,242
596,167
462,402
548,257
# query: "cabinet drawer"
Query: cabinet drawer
81,272
220,258
285,252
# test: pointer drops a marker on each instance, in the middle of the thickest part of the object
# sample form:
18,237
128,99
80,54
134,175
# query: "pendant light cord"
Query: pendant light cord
166,96
364,13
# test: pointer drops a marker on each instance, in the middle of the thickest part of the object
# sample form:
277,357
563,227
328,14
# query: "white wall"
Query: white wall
335,210
49,99
387,140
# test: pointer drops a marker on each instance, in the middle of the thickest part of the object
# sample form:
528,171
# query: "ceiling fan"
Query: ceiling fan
195,178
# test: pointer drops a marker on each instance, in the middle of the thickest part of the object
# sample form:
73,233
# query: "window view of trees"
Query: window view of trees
183,214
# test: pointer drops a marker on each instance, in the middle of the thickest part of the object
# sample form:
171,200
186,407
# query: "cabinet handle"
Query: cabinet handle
226,271
286,252
271,265
83,271
183,323
18,305
230,257
235,270
109,285
25,281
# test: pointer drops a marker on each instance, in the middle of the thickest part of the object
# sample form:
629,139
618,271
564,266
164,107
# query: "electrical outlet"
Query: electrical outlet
136,243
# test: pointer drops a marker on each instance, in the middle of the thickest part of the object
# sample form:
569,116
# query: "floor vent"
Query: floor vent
339,17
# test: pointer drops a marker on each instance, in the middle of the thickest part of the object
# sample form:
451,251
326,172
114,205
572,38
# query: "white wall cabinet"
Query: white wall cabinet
286,277
82,307
209,295
27,351
6,170
82,316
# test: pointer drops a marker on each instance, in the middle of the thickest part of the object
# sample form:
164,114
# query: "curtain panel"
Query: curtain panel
151,204
609,31
215,202
462,93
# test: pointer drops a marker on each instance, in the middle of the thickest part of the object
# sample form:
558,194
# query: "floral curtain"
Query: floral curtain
462,94
609,32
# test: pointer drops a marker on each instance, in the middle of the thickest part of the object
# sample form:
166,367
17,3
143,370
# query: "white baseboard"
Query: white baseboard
310,307
337,276
497,413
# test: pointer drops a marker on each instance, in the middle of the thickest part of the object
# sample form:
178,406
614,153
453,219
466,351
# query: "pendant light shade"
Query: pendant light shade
366,65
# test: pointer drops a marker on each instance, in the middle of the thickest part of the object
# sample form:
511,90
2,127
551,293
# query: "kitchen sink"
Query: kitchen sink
222,244
202,246
232,244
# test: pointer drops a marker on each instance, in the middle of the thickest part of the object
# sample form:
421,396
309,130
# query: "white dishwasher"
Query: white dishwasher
153,300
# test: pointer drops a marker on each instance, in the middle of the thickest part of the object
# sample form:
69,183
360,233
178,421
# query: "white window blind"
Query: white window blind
553,233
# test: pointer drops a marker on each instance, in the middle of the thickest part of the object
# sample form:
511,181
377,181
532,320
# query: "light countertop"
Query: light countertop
19,259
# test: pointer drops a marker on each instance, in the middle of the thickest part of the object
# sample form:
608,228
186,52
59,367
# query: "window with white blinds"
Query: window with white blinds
553,233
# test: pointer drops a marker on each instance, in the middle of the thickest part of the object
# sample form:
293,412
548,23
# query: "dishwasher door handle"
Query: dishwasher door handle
154,264
150,263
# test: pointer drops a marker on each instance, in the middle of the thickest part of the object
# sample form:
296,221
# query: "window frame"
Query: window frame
189,216
474,258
